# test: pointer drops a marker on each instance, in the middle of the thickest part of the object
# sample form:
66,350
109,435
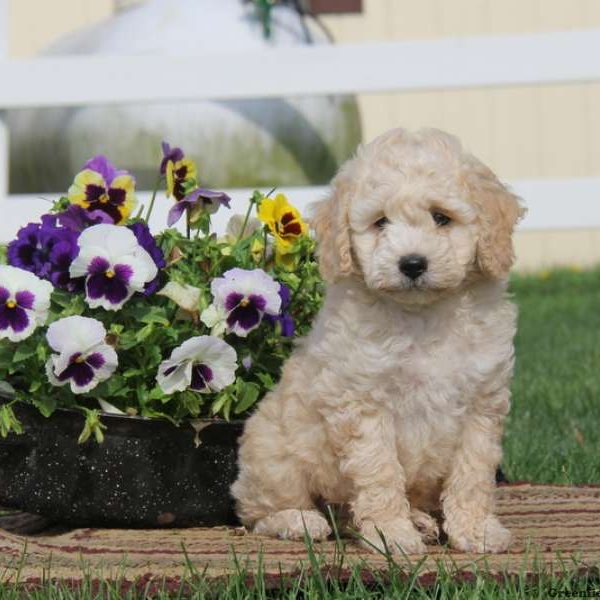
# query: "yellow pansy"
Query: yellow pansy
181,175
99,186
284,221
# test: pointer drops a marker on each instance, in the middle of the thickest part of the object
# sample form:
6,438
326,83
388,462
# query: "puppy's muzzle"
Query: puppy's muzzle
413,265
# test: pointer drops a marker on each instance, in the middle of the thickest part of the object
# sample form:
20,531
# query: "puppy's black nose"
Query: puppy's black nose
413,265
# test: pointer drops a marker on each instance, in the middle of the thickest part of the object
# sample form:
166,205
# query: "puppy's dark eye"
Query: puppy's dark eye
381,222
440,218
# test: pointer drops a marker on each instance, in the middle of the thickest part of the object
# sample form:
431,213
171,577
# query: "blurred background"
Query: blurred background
541,137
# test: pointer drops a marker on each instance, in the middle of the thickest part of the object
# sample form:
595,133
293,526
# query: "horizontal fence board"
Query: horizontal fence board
552,205
308,70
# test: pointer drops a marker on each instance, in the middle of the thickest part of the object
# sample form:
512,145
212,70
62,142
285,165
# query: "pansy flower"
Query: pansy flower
181,172
204,364
148,243
24,302
198,202
76,218
99,186
284,320
215,318
45,250
246,296
284,221
114,264
173,155
83,357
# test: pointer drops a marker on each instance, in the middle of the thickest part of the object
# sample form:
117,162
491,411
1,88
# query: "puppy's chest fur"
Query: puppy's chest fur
427,368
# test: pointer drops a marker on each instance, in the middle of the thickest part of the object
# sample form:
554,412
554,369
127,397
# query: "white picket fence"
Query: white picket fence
558,57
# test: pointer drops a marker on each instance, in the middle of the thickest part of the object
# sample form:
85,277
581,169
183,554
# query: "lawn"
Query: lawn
552,436
553,432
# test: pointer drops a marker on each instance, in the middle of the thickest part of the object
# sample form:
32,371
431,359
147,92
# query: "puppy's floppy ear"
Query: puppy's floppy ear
330,222
499,211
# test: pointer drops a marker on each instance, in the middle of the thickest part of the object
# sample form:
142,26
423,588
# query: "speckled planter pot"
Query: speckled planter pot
147,473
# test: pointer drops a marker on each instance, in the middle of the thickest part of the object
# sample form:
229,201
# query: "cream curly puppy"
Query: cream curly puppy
394,404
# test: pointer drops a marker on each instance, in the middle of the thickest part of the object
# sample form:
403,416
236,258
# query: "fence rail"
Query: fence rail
305,70
557,57
545,200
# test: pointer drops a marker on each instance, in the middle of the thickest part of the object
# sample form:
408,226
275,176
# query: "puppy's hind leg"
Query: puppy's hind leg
272,490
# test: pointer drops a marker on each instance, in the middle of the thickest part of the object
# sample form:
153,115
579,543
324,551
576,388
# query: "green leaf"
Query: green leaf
127,340
23,352
191,402
8,421
144,333
157,394
35,386
266,379
129,373
45,403
6,390
93,426
219,402
246,396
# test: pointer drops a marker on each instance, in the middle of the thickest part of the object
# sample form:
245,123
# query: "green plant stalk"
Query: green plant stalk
153,199
246,219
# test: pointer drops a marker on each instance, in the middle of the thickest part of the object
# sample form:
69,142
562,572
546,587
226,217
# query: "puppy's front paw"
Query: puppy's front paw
426,525
400,536
483,536
292,524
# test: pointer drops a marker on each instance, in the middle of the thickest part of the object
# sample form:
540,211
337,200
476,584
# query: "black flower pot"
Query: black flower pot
146,473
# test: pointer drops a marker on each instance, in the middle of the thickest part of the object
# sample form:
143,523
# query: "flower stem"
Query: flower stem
188,229
264,247
246,218
154,192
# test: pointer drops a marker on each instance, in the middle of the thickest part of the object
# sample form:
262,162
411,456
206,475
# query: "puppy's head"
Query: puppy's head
416,217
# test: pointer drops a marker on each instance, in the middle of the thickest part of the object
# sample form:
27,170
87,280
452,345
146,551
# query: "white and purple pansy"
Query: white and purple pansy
203,363
114,264
84,359
24,302
246,296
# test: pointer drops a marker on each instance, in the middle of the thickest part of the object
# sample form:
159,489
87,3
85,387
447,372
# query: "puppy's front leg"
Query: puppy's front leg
468,496
366,447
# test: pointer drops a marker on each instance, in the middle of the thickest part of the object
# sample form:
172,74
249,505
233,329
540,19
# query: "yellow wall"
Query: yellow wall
523,132
33,24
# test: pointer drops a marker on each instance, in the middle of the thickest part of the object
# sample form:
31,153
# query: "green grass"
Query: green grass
401,579
553,432
552,436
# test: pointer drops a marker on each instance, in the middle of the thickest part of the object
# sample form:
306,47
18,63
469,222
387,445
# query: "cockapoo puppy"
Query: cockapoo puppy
394,404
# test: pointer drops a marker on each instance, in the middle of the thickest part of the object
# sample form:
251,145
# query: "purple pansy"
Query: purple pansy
83,357
245,297
148,243
24,303
108,282
114,264
102,165
283,319
45,250
77,218
169,154
199,201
